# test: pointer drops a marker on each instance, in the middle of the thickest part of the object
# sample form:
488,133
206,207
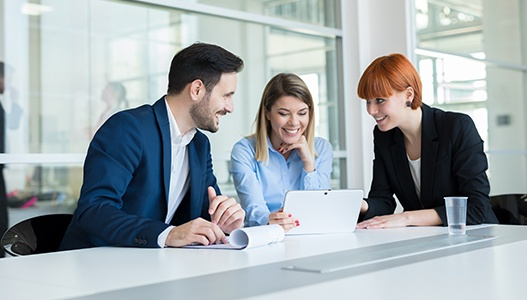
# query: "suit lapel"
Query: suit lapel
161,114
429,147
402,169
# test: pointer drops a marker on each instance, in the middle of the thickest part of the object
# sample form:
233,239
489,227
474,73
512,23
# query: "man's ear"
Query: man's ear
197,90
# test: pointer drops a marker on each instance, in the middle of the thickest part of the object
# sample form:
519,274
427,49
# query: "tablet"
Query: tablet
324,211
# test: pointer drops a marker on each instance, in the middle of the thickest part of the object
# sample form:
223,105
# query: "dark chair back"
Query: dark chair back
510,208
41,234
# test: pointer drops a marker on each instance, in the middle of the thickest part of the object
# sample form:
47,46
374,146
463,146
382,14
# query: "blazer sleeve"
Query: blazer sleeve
108,170
201,145
469,166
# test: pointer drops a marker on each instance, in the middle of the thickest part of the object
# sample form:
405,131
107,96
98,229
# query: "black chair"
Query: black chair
510,208
41,234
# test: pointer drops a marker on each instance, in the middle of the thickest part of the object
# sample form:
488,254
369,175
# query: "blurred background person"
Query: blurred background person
10,113
114,97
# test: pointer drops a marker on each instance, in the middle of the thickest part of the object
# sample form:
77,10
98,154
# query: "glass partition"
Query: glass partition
471,57
36,189
317,12
73,64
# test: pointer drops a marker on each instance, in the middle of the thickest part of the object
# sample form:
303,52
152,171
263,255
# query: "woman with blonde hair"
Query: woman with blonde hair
422,154
283,154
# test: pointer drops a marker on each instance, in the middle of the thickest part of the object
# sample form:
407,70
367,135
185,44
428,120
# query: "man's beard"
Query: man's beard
203,117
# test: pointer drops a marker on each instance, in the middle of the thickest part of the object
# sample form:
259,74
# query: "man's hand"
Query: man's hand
196,231
225,212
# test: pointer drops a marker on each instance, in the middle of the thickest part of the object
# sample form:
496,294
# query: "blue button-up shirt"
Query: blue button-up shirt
262,186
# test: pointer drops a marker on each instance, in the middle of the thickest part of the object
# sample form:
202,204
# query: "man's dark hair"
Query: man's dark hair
2,67
202,61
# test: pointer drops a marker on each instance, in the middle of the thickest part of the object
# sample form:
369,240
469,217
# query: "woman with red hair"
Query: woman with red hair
422,154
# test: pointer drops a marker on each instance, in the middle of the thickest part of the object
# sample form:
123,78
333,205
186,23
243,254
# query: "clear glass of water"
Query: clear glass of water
456,214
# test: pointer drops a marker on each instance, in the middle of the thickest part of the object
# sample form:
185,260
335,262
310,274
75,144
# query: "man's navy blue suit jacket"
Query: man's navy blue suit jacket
123,199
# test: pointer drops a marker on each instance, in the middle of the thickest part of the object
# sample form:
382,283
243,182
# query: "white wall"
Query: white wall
372,28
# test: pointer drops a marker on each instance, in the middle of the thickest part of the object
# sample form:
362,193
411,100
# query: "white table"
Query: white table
392,264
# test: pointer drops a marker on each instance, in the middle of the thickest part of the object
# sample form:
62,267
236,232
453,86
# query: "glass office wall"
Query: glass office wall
472,59
316,12
74,63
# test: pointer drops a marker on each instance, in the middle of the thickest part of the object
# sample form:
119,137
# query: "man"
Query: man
148,179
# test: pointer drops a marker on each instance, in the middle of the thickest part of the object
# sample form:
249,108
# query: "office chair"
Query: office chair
41,234
510,208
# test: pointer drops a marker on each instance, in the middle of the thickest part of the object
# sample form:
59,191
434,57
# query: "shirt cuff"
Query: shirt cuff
263,219
162,238
310,180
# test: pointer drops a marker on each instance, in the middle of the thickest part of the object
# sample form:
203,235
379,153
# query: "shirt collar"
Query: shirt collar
270,145
175,133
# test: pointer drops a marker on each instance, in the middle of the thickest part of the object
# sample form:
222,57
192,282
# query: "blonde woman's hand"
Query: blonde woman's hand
283,219
303,151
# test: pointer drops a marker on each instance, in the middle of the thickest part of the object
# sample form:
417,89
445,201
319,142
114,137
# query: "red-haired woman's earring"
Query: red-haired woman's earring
408,104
